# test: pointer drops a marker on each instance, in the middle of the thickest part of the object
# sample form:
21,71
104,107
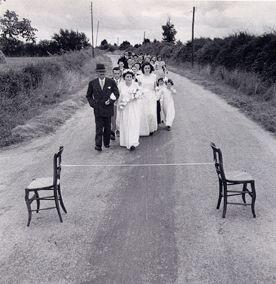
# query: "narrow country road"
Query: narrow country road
143,224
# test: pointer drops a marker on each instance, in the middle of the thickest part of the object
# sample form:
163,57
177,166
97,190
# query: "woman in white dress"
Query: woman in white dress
136,72
129,110
147,81
160,67
167,102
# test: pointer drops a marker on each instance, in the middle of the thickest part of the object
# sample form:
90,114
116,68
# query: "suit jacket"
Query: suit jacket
119,81
97,96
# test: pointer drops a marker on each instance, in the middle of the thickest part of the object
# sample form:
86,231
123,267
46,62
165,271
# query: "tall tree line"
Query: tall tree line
18,38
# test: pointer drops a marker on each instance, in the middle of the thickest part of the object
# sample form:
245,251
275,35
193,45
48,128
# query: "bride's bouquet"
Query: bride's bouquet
133,94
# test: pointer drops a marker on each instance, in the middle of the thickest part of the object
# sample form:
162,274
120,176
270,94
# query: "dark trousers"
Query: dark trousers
103,130
158,112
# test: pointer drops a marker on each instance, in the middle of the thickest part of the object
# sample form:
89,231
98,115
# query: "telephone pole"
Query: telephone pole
97,33
93,54
193,29
144,37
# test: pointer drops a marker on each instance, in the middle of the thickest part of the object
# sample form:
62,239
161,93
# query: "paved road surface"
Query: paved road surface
143,224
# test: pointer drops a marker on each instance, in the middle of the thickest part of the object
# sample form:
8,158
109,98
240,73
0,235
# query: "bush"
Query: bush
26,90
240,51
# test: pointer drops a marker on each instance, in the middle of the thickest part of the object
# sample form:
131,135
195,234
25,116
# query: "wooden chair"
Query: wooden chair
47,184
227,179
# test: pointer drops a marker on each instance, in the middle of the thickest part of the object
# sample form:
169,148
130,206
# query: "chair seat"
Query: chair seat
42,183
238,176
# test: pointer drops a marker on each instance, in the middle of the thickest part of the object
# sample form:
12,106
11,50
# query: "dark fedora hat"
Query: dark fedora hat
100,67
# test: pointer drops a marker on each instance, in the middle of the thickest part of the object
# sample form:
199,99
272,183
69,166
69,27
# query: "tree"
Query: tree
169,32
146,40
70,40
124,45
14,29
104,44
47,47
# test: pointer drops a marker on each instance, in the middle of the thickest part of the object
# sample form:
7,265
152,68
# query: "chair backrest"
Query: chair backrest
218,160
57,165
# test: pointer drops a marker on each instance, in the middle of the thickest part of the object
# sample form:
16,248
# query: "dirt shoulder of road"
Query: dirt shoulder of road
258,109
50,119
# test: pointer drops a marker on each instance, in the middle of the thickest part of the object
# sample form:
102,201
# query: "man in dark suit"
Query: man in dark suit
101,95
117,77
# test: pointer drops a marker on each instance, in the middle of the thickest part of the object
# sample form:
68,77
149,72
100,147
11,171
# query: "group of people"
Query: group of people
134,102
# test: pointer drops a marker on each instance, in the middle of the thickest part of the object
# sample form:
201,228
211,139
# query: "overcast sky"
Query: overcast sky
128,19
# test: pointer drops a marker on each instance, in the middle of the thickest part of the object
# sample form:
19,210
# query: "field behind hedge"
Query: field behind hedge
31,86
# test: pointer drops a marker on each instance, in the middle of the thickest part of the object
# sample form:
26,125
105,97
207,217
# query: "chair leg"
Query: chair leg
243,194
57,204
61,200
37,201
28,207
220,194
224,200
253,199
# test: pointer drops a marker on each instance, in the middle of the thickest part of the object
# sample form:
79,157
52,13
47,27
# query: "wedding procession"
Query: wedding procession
137,101
137,142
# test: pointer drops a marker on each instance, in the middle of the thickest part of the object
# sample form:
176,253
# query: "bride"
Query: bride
129,110
147,80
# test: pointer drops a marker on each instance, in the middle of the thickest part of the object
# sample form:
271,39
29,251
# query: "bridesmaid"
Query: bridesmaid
138,67
168,104
136,70
159,95
160,67
147,81
129,111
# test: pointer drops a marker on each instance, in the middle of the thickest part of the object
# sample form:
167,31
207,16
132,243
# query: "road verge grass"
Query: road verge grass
245,91
37,98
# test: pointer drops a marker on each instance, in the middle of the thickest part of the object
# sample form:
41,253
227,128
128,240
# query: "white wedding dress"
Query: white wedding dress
129,115
149,104
167,105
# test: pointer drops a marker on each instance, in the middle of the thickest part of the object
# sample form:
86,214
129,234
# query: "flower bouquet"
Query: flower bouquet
133,94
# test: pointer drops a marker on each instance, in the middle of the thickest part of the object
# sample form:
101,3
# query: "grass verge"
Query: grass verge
244,91
37,98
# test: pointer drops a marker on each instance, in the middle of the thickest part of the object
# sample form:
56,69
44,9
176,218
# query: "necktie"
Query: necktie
102,84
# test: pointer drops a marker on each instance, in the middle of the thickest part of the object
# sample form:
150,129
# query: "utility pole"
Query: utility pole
144,37
97,33
193,29
93,54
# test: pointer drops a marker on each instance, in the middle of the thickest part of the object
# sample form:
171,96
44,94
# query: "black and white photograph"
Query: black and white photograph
137,142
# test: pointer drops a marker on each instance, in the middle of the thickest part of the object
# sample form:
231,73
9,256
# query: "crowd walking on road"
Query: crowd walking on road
136,102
